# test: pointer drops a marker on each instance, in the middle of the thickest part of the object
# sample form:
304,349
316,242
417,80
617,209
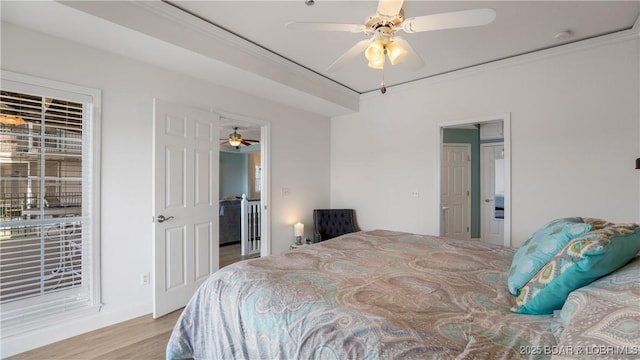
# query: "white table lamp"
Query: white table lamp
298,232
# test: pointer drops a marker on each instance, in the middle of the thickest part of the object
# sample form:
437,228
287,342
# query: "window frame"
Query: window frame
23,83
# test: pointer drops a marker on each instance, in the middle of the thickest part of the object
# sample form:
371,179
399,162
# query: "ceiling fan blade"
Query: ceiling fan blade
251,140
245,143
450,20
224,142
389,8
317,26
356,49
413,60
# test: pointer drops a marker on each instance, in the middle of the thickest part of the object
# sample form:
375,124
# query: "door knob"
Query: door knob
161,218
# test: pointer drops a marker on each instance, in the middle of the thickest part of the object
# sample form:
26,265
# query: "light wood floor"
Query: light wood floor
140,338
230,254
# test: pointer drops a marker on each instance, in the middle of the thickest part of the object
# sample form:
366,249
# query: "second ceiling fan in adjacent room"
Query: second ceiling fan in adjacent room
235,139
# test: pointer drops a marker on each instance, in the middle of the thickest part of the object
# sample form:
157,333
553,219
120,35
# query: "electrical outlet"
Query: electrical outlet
144,278
286,191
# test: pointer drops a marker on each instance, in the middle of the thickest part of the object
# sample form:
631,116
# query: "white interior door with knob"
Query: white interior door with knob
455,188
186,241
492,224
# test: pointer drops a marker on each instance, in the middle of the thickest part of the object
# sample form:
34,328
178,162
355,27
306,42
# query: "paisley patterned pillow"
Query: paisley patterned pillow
604,314
580,262
541,247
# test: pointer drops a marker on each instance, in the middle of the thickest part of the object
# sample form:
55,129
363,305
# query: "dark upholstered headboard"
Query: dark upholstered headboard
330,223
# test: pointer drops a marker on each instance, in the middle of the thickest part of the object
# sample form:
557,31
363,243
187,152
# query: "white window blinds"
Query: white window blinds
47,252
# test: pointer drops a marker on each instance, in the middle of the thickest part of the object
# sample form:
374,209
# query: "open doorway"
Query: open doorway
242,204
474,179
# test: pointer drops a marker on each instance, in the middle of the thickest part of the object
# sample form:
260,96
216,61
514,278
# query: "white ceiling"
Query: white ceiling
245,45
520,27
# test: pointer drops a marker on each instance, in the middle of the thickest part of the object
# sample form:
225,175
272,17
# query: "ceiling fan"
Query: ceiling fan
381,29
236,139
9,119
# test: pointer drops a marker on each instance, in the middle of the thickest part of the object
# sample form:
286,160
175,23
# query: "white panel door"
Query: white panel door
492,227
186,241
456,190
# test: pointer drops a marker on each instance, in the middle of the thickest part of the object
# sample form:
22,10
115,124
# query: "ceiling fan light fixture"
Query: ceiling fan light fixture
235,139
396,53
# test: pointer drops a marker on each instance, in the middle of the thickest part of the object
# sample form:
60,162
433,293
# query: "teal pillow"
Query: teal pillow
583,260
541,247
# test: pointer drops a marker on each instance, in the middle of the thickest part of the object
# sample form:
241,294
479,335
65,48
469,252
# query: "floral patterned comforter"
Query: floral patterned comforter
366,295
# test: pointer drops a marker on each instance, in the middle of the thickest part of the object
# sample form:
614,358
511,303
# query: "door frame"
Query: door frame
265,186
468,189
506,123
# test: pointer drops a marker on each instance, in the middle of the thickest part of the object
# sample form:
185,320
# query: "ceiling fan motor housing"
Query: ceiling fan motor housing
374,23
383,33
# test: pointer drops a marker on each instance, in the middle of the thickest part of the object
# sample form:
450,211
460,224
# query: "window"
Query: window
48,205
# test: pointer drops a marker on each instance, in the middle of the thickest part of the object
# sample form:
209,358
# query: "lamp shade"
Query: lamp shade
396,53
298,229
375,54
235,139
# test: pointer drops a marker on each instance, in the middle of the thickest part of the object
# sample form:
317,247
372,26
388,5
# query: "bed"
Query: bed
371,295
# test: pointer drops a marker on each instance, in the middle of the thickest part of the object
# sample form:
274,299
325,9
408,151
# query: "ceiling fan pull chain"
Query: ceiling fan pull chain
383,89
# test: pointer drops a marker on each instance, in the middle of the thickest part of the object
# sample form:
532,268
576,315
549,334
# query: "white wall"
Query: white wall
299,160
575,135
234,174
